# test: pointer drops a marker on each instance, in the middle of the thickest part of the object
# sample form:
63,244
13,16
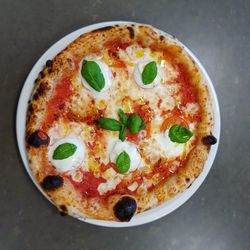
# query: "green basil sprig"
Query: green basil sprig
123,117
180,134
122,134
149,73
135,123
64,151
109,124
123,162
92,73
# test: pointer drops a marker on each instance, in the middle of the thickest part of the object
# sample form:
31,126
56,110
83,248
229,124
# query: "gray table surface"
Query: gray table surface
218,215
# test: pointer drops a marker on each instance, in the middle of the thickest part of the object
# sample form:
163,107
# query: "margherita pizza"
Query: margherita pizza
118,122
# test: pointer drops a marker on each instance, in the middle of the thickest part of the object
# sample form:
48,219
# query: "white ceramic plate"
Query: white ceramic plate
151,214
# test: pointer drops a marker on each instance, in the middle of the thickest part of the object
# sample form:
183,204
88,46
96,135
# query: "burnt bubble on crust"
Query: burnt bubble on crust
103,29
161,37
63,210
52,182
40,91
48,63
42,74
38,138
131,32
125,208
209,140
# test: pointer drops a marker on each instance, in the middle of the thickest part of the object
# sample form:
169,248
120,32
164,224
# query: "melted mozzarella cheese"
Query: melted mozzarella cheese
138,75
167,147
110,184
113,179
191,108
71,162
107,74
131,150
133,186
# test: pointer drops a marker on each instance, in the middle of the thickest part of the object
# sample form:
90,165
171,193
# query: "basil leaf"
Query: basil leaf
179,133
149,73
64,151
123,117
92,73
123,162
122,134
109,124
135,124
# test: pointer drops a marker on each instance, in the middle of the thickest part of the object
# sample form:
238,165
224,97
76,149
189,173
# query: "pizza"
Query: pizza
118,122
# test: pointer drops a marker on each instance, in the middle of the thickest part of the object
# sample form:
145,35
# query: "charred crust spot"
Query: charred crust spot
42,74
103,29
30,108
52,182
187,179
38,138
63,208
40,91
161,37
131,32
49,63
35,96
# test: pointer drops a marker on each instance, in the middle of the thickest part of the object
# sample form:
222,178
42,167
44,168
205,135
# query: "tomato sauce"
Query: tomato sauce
56,104
188,92
113,47
164,169
88,185
132,137
116,44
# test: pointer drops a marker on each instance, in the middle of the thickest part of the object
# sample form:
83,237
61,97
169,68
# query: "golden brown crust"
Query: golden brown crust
66,198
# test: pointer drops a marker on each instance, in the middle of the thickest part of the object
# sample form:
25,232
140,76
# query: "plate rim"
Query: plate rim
154,213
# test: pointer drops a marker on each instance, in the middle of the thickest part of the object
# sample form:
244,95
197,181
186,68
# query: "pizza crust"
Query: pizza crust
66,198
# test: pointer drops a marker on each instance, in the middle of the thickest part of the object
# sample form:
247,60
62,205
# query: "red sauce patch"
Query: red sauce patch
90,117
187,91
56,104
170,121
145,112
164,169
104,167
159,103
89,184
132,137
116,44
113,46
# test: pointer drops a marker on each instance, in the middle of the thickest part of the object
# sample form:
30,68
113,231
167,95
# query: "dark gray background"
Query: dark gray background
218,215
